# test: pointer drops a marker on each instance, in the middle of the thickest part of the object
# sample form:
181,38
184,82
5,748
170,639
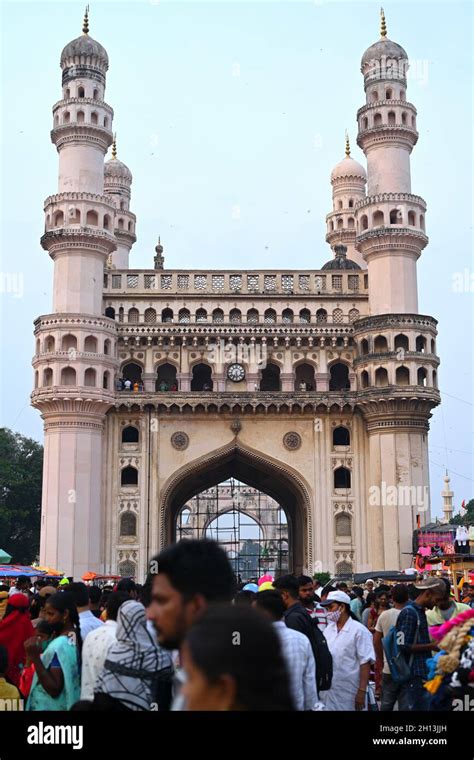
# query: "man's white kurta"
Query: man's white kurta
350,647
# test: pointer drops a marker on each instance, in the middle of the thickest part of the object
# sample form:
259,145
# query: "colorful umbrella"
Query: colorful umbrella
5,557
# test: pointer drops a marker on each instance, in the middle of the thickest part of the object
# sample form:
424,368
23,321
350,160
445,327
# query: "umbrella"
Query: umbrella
5,557
14,571
89,576
50,572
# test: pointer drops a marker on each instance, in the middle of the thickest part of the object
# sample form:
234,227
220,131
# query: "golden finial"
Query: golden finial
114,146
348,147
383,25
85,25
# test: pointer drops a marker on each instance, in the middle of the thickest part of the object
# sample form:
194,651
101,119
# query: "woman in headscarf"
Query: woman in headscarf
15,629
56,682
127,681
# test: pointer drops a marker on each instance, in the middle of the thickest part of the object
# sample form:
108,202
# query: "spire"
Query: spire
383,25
447,495
159,259
114,146
85,25
348,147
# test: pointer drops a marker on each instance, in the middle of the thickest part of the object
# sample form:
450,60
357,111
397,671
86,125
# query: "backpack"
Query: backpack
400,667
323,658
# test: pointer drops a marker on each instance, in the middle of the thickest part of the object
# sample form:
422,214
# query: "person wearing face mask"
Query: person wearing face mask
56,683
352,649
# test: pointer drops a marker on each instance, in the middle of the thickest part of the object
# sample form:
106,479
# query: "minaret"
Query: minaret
117,182
348,180
75,345
390,220
159,259
447,494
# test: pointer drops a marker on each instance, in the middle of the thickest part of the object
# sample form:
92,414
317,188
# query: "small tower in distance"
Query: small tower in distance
117,182
447,494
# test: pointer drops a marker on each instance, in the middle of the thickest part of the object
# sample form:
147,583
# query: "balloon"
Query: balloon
266,586
250,587
266,578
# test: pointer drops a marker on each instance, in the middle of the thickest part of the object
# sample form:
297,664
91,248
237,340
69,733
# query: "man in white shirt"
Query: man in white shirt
22,586
87,621
296,651
98,643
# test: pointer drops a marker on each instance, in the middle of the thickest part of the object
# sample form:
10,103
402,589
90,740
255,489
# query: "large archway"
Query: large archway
270,477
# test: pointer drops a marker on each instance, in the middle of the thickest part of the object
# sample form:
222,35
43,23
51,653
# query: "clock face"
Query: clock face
236,373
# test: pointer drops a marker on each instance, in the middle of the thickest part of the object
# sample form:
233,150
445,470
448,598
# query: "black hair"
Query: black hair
382,592
37,604
272,602
94,594
358,591
21,581
447,584
44,627
3,587
198,567
303,580
371,597
256,664
327,590
126,584
413,591
3,660
245,597
341,585
400,593
79,593
145,591
64,600
114,602
288,583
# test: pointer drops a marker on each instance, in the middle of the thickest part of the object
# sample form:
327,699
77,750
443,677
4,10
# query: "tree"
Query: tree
323,578
21,470
466,517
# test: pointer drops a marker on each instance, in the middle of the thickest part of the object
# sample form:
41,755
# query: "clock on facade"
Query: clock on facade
235,372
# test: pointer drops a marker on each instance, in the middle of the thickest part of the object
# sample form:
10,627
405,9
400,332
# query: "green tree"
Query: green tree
21,470
466,517
323,578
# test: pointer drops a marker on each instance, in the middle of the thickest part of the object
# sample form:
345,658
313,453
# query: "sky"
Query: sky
222,106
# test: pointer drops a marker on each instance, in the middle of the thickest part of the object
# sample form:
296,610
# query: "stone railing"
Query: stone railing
395,321
388,197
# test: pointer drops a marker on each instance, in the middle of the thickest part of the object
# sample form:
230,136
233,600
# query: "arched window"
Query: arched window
130,434
411,218
68,376
340,224
377,219
201,315
90,377
252,316
150,316
80,92
364,222
128,524
166,378
343,525
66,117
106,122
107,345
435,379
217,316
421,376
341,436
342,477
364,379
132,372
287,316
380,344
68,342
92,218
67,94
49,344
420,344
351,223
381,377
90,344
110,312
402,376
305,316
167,315
401,341
127,569
304,377
94,118
270,378
404,118
202,378
413,122
133,315
120,223
377,120
337,316
106,222
121,314
339,204
80,117
365,123
339,377
388,94
374,96
433,346
184,516
235,316
270,317
184,316
74,216
48,377
422,222
402,94
364,347
58,219
38,344
321,316
395,216
36,379
106,380
95,94
129,227
351,203
331,226
122,205
129,476
391,118
353,315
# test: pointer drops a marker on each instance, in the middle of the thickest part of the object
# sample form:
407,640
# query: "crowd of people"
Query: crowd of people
194,638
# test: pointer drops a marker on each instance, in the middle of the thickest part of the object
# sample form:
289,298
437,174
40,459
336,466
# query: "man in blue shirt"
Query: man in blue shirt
416,644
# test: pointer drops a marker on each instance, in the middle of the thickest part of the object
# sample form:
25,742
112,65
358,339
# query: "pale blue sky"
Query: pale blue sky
201,140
